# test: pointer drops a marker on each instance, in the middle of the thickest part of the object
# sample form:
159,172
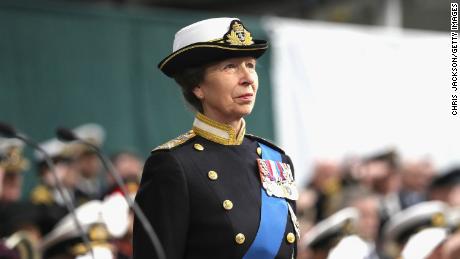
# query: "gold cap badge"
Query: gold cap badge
238,35
438,220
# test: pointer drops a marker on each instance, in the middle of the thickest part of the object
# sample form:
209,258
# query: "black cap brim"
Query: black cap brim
203,53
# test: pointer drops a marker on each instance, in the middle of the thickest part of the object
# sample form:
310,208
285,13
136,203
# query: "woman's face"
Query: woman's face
228,91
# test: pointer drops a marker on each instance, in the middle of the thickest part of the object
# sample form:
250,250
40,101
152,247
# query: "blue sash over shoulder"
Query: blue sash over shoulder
273,215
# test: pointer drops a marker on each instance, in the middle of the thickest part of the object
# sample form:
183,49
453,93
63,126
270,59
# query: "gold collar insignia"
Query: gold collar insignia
218,132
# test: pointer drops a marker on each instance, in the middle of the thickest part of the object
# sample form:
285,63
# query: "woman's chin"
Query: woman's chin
244,111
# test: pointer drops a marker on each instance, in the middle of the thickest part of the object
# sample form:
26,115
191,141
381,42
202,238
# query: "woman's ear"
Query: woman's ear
198,92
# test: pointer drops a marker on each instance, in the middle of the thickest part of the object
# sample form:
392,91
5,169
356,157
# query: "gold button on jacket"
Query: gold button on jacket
228,204
198,147
290,237
239,238
213,175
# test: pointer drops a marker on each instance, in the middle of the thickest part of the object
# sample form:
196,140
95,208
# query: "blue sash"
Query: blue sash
273,217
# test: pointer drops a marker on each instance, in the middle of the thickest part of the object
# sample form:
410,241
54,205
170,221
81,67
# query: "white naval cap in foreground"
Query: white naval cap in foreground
338,225
350,247
424,243
411,220
100,220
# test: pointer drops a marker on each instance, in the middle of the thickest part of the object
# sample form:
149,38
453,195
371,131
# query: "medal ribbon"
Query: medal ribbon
273,217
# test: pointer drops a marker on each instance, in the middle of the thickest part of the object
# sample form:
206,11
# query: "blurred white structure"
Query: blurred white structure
347,89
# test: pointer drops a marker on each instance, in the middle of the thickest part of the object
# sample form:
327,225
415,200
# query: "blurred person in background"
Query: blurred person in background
327,184
217,192
380,173
416,176
19,233
129,165
446,187
306,216
404,225
12,164
100,222
92,181
368,223
451,247
46,192
88,165
45,195
335,237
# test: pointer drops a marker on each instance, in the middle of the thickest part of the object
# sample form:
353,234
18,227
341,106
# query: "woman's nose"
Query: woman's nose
247,76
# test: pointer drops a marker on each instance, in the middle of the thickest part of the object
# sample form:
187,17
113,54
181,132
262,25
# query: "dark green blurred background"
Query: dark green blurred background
70,64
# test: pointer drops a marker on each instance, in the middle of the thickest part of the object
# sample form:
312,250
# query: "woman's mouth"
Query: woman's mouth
246,97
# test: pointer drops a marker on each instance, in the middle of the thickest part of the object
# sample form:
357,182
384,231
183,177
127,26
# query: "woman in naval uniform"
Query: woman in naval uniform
217,192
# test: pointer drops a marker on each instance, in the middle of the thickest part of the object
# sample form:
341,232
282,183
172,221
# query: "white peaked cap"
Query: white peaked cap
7,143
91,132
333,224
350,247
430,213
113,213
202,31
208,41
52,147
422,244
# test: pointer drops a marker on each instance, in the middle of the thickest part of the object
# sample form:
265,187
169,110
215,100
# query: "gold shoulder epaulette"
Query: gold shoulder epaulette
265,141
177,141
41,195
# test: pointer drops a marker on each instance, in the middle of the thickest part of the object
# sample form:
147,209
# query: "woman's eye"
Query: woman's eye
229,66
251,65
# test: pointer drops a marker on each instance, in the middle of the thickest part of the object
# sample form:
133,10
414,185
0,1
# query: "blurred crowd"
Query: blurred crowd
376,207
380,206
39,226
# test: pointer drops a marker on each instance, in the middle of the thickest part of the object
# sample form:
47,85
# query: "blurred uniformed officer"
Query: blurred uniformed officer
451,247
45,195
335,237
18,230
217,192
407,223
446,187
101,221
129,166
12,165
15,214
65,241
88,164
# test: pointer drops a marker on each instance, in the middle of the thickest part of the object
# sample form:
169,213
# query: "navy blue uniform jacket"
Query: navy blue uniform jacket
185,202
